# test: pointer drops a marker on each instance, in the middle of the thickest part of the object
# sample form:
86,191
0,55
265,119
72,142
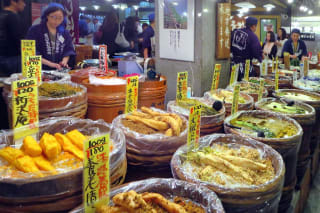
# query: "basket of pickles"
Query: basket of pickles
251,89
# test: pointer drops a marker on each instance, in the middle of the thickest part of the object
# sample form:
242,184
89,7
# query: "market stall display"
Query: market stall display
304,114
311,85
242,186
162,195
33,188
278,131
77,76
251,89
226,96
58,99
152,136
108,101
212,113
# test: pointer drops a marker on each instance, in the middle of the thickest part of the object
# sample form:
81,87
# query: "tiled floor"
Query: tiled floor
313,204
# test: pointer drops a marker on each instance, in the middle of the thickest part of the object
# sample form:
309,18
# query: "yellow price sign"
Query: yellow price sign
272,68
235,100
28,48
182,86
25,108
306,67
34,67
132,94
247,70
233,75
194,127
277,80
261,89
216,77
96,173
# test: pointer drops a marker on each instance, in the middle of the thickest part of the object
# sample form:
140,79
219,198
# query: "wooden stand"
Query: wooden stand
304,186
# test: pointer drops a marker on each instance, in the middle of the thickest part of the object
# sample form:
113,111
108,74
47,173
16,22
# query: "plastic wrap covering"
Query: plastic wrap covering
314,75
50,104
249,88
310,98
150,151
205,120
306,118
226,97
307,84
287,146
171,188
67,184
254,198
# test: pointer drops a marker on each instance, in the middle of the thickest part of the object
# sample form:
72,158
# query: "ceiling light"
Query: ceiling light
269,7
199,14
245,5
82,8
290,1
123,6
175,3
243,10
305,9
301,8
96,7
115,6
310,12
135,7
205,10
109,0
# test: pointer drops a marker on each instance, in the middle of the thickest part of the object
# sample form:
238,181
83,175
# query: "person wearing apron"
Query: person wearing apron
245,45
295,47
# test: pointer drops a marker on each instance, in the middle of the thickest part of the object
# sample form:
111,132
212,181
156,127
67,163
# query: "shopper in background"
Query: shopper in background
10,36
110,29
131,33
83,28
295,47
53,41
148,43
96,25
269,47
245,45
282,38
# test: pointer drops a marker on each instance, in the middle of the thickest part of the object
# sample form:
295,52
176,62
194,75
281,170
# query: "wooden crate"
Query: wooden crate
304,190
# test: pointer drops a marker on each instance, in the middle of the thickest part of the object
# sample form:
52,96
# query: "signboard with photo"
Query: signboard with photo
267,24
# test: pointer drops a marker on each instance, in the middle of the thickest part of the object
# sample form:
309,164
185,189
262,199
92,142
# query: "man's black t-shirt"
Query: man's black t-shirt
10,34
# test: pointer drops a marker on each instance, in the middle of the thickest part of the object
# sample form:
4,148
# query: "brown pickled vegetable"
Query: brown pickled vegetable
57,90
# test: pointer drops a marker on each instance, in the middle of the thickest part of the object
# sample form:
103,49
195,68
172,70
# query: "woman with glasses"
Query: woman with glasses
53,41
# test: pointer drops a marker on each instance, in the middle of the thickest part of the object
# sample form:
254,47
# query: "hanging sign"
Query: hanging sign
96,177
132,94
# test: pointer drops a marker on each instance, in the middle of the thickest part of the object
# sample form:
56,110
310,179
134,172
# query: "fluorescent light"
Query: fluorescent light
310,12
115,6
290,1
301,8
243,10
245,5
269,7
305,9
96,7
199,14
123,6
135,7
109,0
175,3
82,8
205,10
185,14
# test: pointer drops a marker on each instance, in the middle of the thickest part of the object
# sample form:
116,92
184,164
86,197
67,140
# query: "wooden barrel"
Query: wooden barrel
287,147
247,105
209,124
108,101
306,121
260,198
150,152
61,192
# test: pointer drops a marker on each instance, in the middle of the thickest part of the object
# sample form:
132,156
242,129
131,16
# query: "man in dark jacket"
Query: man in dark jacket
10,36
245,45
294,46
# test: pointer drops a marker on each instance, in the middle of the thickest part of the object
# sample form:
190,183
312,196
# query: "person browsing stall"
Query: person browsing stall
148,38
245,45
295,47
53,41
269,47
282,38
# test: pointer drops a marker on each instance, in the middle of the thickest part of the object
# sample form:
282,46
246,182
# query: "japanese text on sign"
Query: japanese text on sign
194,127
306,67
264,68
25,106
233,75
96,180
261,89
182,86
277,76
272,68
28,48
34,67
103,58
216,77
247,70
235,100
132,94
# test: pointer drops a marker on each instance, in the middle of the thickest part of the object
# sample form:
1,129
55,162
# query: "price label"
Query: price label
261,89
28,48
194,127
34,67
247,70
103,58
96,178
233,75
286,59
132,94
264,68
306,67
25,108
182,86
235,100
272,68
277,80
216,77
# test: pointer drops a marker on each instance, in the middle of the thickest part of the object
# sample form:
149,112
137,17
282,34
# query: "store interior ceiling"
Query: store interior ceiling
105,5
